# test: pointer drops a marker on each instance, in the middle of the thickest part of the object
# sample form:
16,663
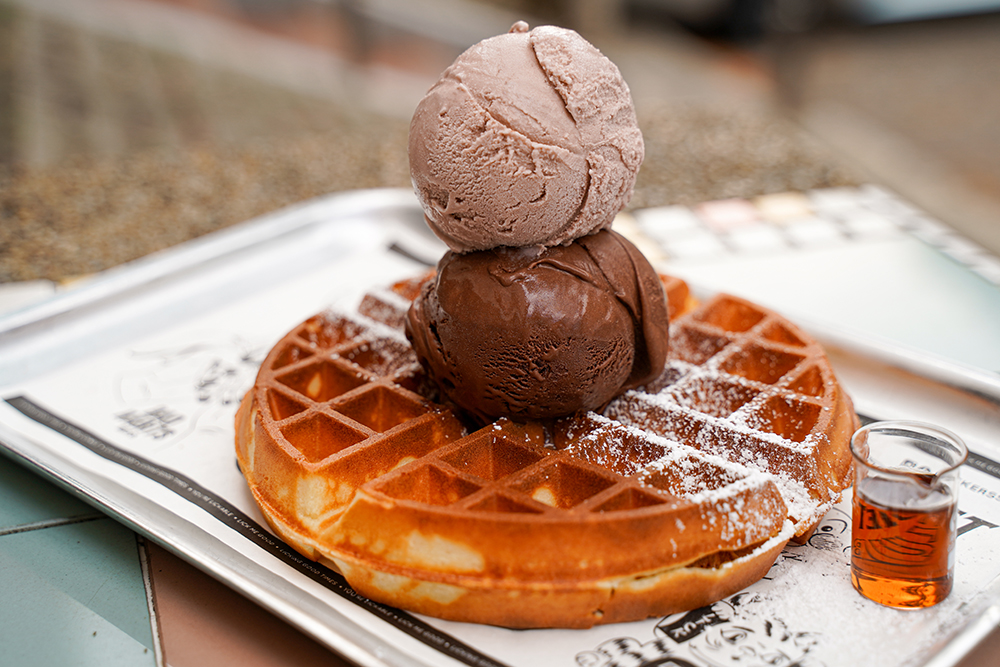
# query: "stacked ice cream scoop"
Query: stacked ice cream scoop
521,156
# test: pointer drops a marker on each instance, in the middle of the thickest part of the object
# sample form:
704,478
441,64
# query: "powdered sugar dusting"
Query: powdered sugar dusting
832,607
719,486
374,346
368,329
717,413
385,306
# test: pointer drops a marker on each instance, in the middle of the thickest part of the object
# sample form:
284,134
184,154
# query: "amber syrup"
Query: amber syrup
903,542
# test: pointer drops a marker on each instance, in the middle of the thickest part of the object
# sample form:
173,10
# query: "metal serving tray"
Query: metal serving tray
51,353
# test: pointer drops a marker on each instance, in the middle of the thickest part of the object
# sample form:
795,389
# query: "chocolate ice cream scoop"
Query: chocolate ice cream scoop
534,333
529,138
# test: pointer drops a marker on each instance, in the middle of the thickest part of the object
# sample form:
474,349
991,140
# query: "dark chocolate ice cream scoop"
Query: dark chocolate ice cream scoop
534,333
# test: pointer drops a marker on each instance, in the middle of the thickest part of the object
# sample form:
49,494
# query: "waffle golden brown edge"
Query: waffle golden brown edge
679,494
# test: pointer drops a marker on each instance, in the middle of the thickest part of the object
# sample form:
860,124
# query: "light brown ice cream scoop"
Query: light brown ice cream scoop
529,138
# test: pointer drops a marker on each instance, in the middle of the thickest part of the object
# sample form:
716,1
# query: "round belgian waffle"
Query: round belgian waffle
678,495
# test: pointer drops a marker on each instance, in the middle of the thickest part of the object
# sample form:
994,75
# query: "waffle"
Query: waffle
678,495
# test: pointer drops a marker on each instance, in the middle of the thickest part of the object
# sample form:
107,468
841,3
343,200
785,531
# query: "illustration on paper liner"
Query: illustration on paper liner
736,631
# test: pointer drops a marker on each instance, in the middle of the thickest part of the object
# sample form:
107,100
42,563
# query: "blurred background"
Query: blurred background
131,125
